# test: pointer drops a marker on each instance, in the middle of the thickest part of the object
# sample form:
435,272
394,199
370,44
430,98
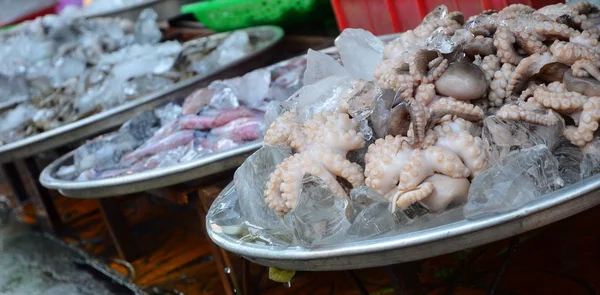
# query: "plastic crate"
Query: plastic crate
392,16
226,15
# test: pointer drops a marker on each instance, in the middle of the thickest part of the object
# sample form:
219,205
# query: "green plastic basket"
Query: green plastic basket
227,15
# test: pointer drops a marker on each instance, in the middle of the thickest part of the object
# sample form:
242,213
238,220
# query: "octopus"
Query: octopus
536,66
399,171
320,147
431,89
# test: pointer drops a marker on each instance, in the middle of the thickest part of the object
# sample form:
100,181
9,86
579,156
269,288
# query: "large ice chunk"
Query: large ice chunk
322,96
250,180
503,136
320,66
146,28
569,157
520,178
319,217
360,51
369,213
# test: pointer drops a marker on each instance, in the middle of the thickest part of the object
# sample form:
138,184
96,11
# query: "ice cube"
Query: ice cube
225,210
322,96
250,179
370,213
66,68
231,49
319,217
141,127
13,89
590,165
168,113
146,28
502,136
320,66
569,157
274,110
105,151
224,97
252,88
360,52
518,179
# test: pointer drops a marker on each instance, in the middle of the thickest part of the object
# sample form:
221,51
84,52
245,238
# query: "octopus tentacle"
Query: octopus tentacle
499,85
588,123
517,113
565,102
285,131
469,148
504,40
419,115
490,64
425,93
462,109
403,199
584,68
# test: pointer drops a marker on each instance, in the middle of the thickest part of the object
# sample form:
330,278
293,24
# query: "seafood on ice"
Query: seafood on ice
225,115
476,116
58,69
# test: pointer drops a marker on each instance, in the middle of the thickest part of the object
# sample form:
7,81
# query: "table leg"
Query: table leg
224,267
512,247
41,197
14,179
357,283
404,278
119,230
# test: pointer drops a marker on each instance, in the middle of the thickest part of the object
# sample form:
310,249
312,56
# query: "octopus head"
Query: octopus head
464,81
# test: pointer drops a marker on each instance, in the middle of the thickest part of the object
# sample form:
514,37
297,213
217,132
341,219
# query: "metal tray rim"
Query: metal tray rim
20,144
48,181
109,12
411,239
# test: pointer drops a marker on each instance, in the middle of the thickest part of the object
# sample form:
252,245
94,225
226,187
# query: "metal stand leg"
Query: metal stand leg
357,283
12,175
251,277
118,229
41,197
405,279
224,267
512,247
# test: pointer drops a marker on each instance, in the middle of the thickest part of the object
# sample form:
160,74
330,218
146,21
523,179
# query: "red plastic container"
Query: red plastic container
391,16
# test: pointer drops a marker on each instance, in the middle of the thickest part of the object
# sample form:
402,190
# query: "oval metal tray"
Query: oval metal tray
118,115
444,234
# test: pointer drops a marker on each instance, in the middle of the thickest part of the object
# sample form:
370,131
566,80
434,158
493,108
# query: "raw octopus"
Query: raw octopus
537,66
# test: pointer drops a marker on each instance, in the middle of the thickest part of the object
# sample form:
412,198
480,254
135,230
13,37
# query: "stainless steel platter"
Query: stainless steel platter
157,178
269,36
147,180
444,234
165,9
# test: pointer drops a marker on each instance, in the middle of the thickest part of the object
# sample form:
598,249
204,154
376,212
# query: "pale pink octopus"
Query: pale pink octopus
321,145
399,171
